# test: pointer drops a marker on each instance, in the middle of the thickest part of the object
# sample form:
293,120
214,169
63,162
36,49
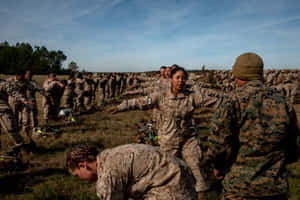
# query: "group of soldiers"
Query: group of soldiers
18,111
254,134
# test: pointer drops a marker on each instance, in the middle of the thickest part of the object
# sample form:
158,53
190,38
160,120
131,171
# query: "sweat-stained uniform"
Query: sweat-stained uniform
141,171
7,120
253,135
177,132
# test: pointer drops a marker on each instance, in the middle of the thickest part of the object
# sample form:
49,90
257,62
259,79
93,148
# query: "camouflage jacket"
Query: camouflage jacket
69,88
89,85
8,89
142,172
253,135
33,87
177,122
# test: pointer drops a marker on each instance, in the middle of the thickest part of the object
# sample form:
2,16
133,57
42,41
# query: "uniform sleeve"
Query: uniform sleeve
206,98
34,86
109,187
140,103
14,92
221,138
292,143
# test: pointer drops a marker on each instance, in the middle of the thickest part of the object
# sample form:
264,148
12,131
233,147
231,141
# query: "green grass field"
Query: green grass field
47,178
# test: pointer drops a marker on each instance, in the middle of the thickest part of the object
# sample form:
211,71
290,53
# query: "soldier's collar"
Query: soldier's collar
172,96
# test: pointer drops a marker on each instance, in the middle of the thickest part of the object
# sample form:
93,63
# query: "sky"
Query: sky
142,35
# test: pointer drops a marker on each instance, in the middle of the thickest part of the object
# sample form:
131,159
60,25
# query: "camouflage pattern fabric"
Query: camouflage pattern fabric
142,172
253,135
177,133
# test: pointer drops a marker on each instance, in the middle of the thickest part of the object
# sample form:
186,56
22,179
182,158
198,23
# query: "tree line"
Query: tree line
38,59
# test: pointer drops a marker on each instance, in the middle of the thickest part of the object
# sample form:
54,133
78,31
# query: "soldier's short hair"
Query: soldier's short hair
80,153
163,67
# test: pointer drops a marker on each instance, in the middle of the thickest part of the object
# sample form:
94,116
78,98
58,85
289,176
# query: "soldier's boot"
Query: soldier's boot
203,196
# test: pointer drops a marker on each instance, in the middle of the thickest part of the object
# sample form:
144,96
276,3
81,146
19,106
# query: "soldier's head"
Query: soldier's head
168,72
174,66
81,162
178,78
89,74
52,76
20,74
248,67
79,75
28,75
162,71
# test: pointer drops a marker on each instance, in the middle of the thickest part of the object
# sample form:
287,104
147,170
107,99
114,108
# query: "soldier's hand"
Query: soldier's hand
218,174
113,110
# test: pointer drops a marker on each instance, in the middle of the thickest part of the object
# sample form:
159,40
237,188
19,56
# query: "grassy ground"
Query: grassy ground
47,178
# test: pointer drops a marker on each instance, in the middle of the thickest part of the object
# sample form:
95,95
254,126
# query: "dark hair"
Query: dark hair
52,75
175,66
163,67
89,73
173,71
80,153
20,72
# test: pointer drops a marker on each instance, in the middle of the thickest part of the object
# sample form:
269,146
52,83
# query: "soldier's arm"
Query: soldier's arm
33,85
222,135
206,98
293,139
109,187
14,92
140,103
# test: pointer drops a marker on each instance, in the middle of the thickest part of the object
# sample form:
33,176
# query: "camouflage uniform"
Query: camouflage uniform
52,102
253,136
32,110
111,87
102,89
177,133
89,91
17,106
79,92
7,120
67,100
142,172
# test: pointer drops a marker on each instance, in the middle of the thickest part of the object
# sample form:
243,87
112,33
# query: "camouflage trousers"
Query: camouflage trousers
29,114
9,124
191,153
67,101
101,95
50,111
88,98
79,100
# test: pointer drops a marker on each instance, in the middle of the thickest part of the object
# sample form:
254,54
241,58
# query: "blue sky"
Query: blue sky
141,35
